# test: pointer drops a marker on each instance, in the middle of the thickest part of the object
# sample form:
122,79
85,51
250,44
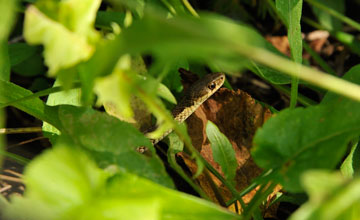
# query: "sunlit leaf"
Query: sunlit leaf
68,40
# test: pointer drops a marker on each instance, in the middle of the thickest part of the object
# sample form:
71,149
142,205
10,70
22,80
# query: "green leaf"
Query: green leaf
19,52
172,79
7,11
10,92
271,75
301,139
291,12
351,162
70,97
64,183
69,39
26,60
112,142
175,144
117,90
327,20
105,18
223,151
166,94
331,197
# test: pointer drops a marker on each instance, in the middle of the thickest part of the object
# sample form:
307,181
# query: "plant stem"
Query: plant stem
311,75
190,8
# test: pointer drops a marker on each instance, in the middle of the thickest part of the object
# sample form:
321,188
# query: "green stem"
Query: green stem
259,197
294,91
190,8
311,75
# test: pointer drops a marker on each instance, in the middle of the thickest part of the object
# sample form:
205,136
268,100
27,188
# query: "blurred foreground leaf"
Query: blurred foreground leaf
65,29
7,11
64,183
332,196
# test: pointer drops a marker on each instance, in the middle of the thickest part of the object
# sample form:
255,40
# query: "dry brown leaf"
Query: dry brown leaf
281,43
238,116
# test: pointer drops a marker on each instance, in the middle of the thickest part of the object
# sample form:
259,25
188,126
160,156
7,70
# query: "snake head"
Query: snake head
205,87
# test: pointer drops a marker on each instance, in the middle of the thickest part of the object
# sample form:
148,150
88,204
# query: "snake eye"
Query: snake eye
212,86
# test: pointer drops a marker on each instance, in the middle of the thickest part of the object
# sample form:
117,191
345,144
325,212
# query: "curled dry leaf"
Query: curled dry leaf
237,115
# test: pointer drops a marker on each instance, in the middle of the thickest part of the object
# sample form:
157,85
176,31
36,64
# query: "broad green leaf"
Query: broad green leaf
112,142
33,66
327,20
70,97
331,197
7,11
36,107
316,137
19,52
69,39
26,60
64,183
223,151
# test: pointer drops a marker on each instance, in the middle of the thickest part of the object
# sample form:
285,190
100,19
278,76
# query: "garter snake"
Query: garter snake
197,94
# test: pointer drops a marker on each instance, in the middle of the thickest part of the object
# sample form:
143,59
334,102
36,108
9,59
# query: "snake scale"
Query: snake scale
197,94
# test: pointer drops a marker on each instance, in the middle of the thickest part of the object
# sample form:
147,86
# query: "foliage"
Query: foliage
98,53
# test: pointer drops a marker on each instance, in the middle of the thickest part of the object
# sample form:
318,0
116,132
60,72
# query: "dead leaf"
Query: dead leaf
238,116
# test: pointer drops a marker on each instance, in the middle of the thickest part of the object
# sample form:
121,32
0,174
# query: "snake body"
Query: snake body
197,94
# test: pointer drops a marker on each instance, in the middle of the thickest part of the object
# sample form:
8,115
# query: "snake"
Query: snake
193,97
